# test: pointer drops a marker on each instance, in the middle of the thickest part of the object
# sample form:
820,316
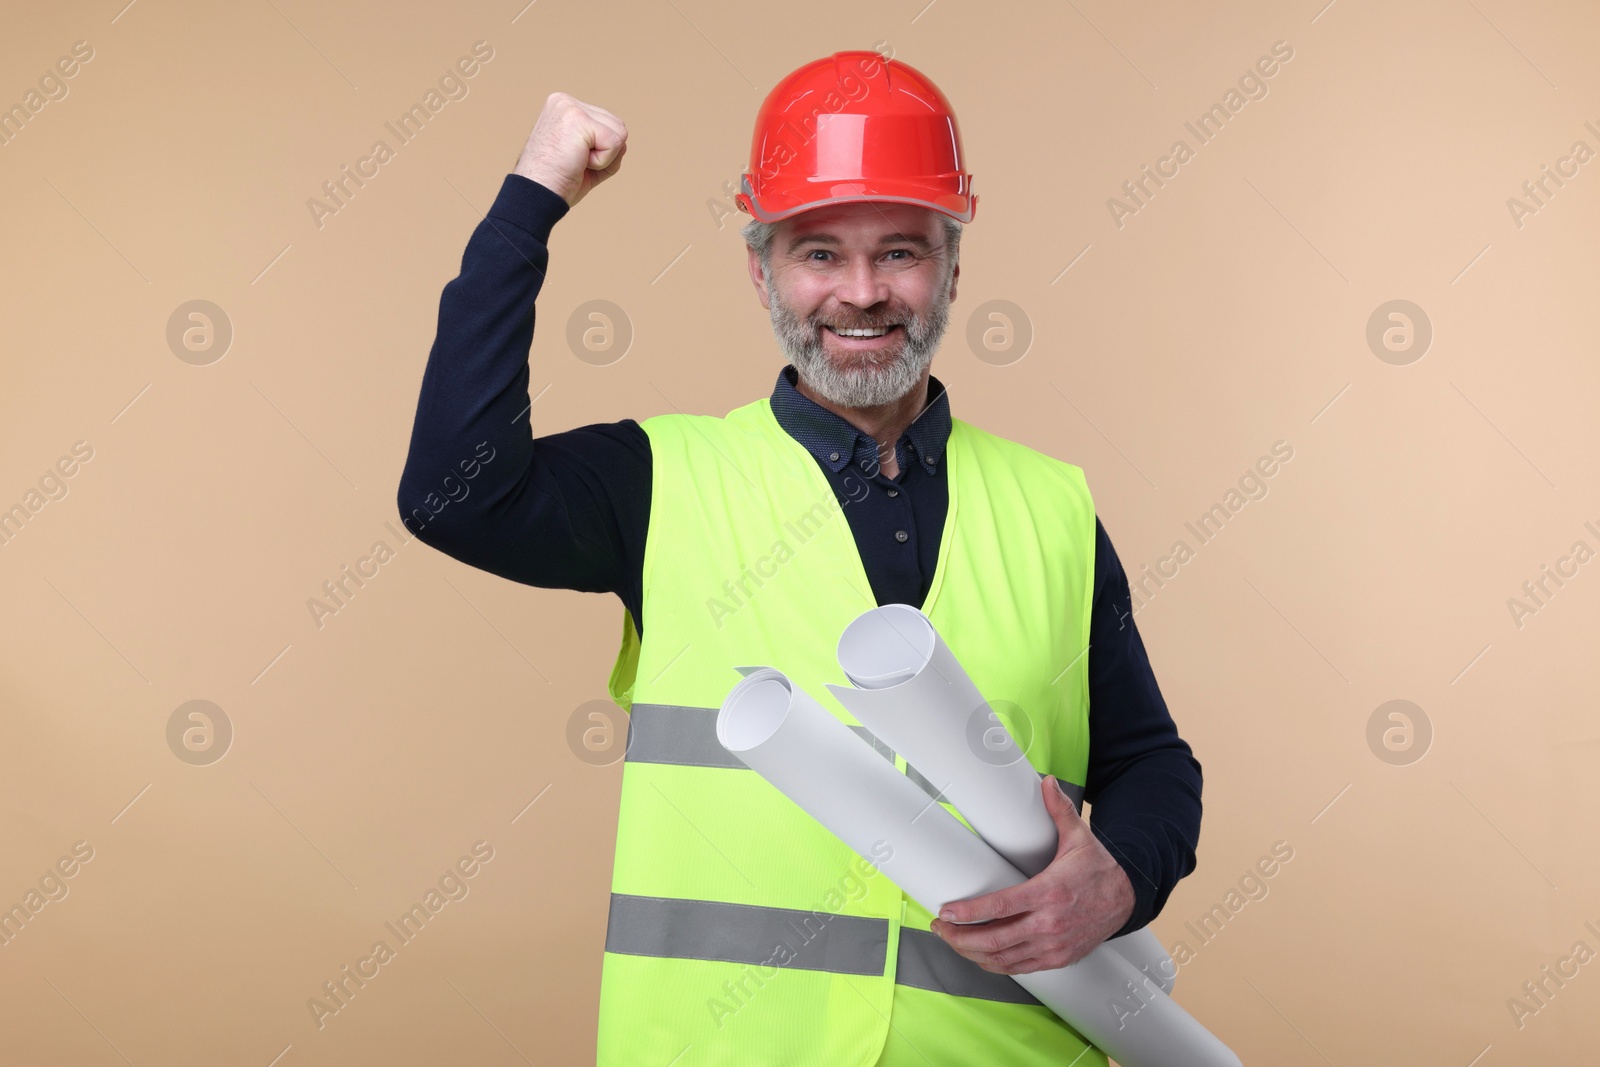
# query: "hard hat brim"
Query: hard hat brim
958,205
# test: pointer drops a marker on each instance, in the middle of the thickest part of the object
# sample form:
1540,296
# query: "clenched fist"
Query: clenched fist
573,147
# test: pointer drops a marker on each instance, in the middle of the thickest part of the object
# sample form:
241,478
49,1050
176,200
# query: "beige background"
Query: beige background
1229,313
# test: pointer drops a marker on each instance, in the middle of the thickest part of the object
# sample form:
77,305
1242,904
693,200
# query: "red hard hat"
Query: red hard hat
853,127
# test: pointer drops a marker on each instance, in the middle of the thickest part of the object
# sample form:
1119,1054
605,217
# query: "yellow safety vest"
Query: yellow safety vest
740,931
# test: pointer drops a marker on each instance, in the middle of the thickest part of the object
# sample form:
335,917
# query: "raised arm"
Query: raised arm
565,510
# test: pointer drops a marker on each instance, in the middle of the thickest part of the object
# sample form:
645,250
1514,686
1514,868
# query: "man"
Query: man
740,931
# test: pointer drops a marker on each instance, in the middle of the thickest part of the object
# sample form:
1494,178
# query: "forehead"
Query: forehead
866,222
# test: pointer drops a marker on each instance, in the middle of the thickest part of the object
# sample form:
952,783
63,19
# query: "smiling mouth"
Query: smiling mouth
880,333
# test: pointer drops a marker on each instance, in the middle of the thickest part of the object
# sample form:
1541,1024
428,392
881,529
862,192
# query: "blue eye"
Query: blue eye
905,254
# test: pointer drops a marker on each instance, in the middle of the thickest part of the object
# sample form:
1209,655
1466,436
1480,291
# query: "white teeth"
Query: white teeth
879,332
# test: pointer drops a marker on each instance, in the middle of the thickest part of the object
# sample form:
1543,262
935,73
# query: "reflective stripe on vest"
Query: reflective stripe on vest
845,944
744,933
687,737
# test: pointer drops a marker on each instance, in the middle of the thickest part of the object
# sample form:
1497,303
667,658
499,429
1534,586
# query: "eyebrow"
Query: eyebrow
917,240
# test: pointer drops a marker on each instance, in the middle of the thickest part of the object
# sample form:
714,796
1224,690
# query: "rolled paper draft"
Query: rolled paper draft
1142,948
806,753
914,695
781,732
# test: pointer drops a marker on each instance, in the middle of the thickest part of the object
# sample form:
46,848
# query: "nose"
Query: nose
861,284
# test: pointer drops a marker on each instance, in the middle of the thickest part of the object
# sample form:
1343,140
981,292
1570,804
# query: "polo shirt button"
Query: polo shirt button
901,536
833,456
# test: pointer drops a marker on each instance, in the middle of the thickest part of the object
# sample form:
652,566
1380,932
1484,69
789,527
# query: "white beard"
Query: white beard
863,382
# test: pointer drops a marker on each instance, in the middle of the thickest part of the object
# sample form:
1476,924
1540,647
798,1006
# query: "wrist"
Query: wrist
528,206
543,177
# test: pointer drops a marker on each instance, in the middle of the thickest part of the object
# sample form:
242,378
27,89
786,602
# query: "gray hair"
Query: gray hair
758,235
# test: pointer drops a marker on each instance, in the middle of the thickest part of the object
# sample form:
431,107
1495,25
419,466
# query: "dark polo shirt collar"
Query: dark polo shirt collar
835,442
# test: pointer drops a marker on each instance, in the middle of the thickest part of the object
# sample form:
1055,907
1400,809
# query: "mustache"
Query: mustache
897,319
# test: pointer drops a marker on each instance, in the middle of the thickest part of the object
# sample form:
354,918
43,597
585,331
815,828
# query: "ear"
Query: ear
955,275
754,263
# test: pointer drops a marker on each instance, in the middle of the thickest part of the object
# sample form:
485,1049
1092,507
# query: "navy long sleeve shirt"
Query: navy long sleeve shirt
570,510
